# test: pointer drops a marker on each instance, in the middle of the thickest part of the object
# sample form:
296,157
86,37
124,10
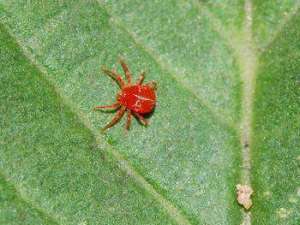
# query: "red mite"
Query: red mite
136,99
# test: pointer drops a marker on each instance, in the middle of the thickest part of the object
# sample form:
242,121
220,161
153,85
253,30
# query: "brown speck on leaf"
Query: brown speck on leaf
246,145
244,193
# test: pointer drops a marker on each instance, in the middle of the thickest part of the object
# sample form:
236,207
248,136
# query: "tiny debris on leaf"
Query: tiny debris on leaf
244,193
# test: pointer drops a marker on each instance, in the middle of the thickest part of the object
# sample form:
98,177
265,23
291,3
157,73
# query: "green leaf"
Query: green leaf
228,112
276,130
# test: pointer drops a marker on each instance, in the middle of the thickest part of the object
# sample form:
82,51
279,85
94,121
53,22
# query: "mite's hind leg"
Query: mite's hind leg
129,117
116,118
141,119
113,106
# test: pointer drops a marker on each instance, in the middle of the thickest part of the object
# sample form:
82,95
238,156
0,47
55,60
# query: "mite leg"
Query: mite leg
141,119
141,78
113,106
126,71
114,75
128,122
116,118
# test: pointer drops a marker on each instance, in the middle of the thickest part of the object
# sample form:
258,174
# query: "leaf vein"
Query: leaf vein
45,215
281,27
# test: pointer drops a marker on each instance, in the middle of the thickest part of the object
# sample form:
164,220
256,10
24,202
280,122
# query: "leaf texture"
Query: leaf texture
227,112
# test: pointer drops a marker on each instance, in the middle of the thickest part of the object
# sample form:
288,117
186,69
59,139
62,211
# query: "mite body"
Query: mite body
135,99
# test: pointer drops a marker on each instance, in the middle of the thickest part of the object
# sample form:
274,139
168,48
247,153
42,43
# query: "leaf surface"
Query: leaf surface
227,112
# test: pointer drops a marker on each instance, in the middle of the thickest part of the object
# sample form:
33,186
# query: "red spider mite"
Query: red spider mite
136,99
